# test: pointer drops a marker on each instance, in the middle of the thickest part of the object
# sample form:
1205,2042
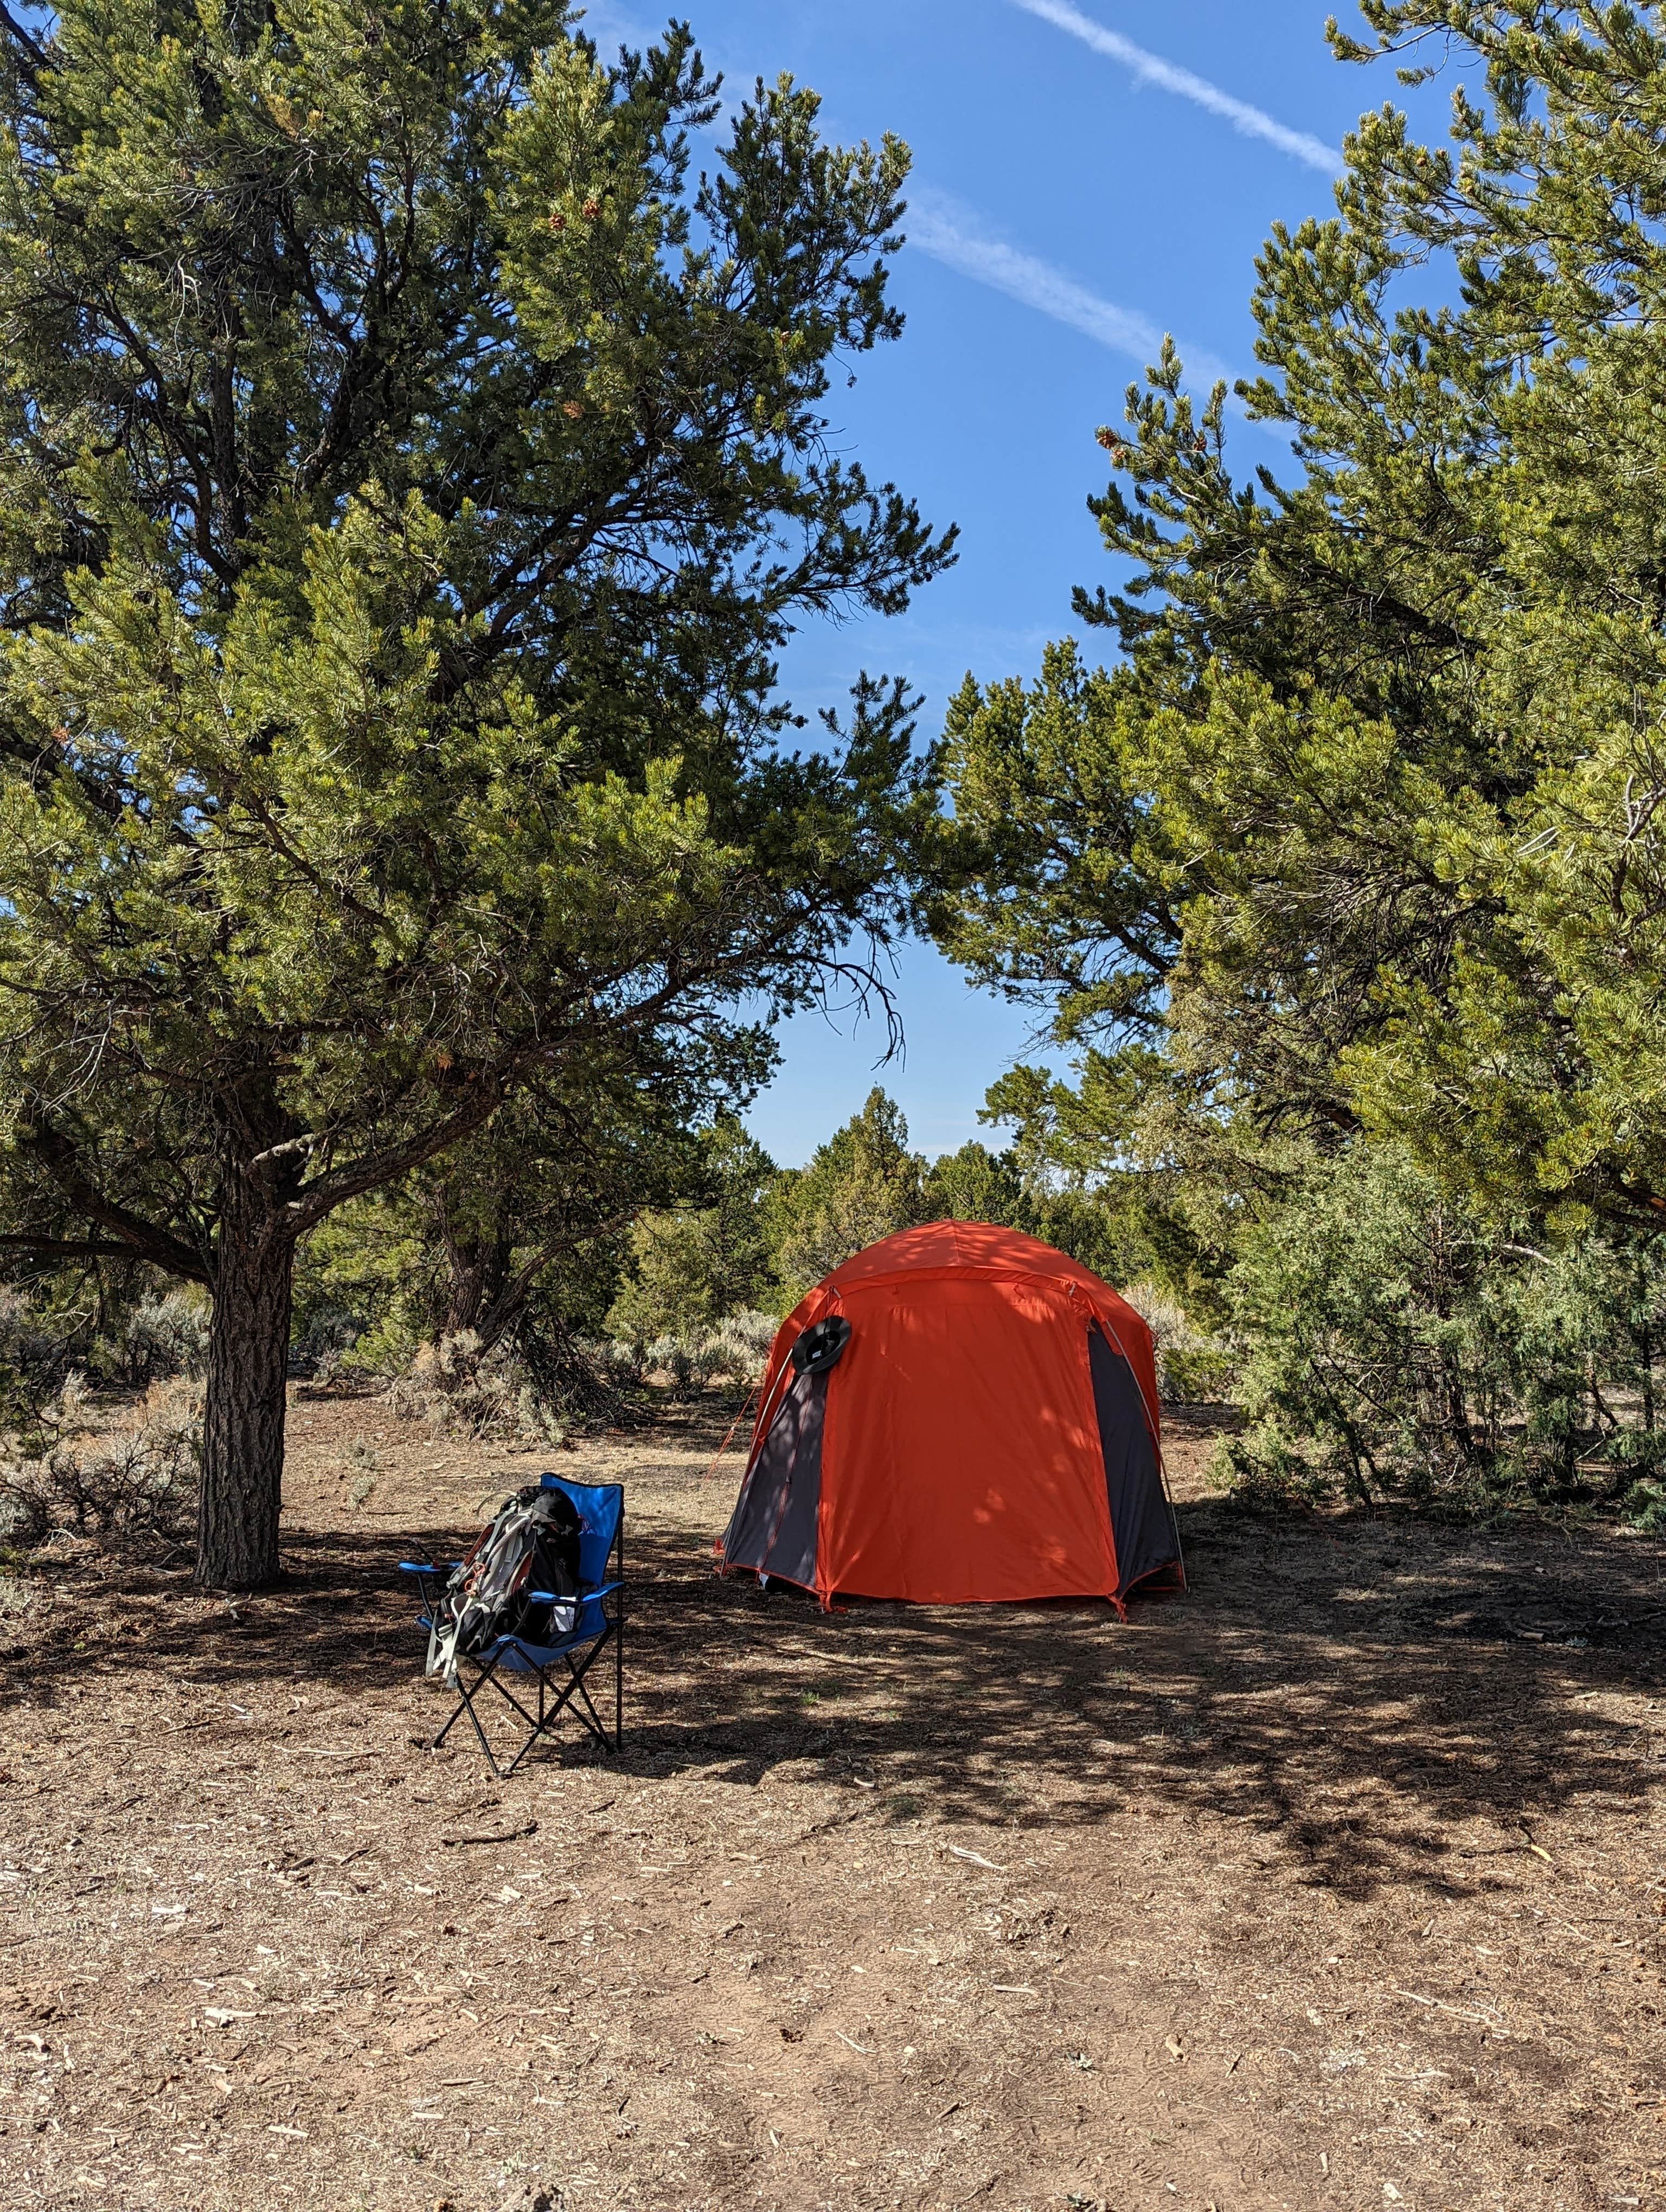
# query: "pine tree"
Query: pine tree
1366,820
862,1184
1352,869
408,470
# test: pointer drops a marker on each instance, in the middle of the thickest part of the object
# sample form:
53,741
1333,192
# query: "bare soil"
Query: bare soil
1338,1883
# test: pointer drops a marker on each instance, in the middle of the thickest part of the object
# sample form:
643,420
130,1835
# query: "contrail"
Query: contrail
1152,69
938,226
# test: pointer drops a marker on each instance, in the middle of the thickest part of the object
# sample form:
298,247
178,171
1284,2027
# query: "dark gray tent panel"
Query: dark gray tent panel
1142,1524
773,1530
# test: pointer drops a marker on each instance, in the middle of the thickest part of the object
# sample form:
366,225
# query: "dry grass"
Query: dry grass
1338,1884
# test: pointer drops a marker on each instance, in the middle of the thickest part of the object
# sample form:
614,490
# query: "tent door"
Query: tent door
773,1527
1142,1523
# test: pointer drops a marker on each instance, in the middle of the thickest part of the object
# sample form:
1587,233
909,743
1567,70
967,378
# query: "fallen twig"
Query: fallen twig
1439,2005
502,1836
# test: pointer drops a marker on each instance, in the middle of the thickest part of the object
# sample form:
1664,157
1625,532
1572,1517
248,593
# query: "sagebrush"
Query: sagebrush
133,1487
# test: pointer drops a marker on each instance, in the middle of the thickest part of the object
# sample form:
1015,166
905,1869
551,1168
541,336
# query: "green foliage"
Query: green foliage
862,1184
1347,881
1395,1344
156,1338
976,1184
1396,723
692,1265
1058,903
1645,1507
517,1232
1106,1183
678,1266
408,472
368,1285
770,1236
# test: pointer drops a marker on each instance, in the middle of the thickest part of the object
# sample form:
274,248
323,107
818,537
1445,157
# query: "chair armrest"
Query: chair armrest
573,1597
428,1567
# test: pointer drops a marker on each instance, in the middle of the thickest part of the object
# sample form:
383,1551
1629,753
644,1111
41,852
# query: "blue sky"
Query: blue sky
1088,174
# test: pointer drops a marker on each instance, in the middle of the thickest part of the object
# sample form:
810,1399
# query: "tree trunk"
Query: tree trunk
504,1303
243,1420
479,1268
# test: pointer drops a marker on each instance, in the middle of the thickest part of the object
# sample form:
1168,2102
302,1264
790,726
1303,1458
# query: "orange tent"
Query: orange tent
958,1413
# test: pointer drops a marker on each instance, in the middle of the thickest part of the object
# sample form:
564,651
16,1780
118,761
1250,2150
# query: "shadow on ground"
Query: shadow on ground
1382,1699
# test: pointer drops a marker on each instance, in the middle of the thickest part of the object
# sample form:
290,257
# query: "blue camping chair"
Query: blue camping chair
560,1669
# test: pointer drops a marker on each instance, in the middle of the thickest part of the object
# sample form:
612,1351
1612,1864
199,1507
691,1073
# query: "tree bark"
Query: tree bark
247,1364
478,1271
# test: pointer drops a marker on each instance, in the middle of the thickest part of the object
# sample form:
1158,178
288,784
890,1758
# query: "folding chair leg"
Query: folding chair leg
465,1698
532,1733
465,1705
574,1696
594,1725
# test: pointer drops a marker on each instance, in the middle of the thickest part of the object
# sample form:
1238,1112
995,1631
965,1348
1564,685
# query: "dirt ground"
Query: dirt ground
1338,1883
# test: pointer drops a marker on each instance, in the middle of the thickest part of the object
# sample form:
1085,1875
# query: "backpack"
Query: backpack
532,1544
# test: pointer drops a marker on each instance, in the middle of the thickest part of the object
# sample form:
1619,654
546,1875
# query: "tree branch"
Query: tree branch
316,1199
64,1248
138,1239
31,55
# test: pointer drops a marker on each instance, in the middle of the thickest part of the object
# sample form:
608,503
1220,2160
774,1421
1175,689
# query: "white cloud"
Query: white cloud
1168,77
941,226
613,27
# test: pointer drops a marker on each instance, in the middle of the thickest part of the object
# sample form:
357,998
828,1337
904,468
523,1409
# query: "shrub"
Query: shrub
31,1362
734,1352
1396,1342
464,1388
134,1489
321,1349
1645,1507
1192,1368
158,1337
743,1345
